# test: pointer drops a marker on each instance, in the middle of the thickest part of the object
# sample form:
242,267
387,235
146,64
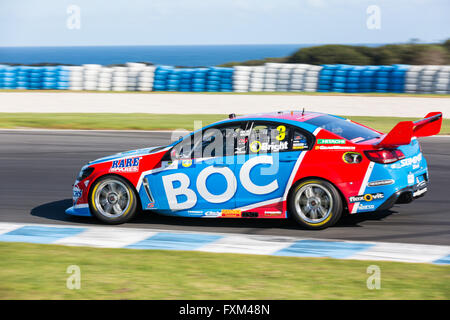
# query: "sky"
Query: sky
207,22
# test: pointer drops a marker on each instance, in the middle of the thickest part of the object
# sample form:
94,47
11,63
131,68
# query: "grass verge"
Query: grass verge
35,271
146,121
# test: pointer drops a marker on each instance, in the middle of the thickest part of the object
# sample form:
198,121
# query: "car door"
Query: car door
263,171
201,175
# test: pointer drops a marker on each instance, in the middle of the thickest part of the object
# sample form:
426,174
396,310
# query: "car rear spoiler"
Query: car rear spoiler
403,132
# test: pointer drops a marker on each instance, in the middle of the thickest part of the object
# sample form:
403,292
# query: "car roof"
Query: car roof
292,115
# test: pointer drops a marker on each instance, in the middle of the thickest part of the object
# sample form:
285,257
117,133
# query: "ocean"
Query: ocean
192,56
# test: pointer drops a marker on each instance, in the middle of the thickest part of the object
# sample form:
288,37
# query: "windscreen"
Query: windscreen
344,128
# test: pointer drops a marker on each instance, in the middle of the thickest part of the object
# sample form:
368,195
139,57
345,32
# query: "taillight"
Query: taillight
384,156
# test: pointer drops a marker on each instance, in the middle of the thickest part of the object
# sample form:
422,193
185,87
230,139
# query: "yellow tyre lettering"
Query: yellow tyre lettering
320,223
281,133
307,182
131,202
93,196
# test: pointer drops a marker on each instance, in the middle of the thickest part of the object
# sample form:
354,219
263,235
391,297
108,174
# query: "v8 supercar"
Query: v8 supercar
305,165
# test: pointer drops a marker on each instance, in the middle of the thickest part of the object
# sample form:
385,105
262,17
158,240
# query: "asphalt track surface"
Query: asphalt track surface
37,170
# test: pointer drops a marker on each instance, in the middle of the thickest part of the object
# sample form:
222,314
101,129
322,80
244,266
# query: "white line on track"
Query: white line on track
117,237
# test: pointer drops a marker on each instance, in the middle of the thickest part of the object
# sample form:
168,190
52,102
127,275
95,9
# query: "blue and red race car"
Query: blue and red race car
306,165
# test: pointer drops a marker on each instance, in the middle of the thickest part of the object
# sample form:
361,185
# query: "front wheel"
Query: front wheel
113,200
315,204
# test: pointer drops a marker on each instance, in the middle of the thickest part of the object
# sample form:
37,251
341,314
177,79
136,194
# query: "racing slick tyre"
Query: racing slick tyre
113,200
315,204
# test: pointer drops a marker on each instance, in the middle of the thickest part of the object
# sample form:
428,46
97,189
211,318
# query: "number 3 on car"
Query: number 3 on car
308,166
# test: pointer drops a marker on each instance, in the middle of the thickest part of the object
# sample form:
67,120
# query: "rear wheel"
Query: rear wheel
113,200
315,204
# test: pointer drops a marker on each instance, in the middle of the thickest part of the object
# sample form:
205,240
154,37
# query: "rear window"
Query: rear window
344,128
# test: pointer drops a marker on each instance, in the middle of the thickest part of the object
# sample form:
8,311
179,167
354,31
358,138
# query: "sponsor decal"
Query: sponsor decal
233,213
366,207
334,148
212,213
178,184
367,197
77,193
273,213
196,211
274,147
151,205
330,141
256,146
380,183
186,163
298,145
299,142
125,165
415,161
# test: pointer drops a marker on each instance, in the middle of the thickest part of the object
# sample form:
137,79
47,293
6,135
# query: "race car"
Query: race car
310,166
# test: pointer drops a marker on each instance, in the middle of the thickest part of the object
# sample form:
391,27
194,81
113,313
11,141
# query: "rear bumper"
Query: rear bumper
405,195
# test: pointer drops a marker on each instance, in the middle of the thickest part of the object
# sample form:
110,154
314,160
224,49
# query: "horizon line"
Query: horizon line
203,45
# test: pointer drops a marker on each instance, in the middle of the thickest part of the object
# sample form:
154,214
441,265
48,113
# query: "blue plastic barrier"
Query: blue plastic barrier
326,77
162,74
398,78
212,79
353,79
32,78
332,78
